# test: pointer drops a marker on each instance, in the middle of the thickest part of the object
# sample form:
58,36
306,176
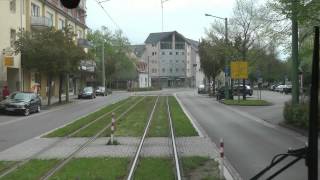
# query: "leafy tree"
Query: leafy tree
212,59
118,65
48,52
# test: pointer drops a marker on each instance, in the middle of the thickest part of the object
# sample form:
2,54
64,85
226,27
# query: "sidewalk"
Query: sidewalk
55,100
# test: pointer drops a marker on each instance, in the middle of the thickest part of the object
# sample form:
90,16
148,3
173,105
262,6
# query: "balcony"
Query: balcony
41,22
84,43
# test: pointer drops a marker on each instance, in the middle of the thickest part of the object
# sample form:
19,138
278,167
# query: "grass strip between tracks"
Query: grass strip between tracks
160,123
34,169
133,123
98,125
64,131
155,169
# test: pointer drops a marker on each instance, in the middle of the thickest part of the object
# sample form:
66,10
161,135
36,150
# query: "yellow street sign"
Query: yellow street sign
239,70
8,60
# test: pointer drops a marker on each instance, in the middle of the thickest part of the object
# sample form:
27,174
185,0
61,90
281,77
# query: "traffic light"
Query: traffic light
70,4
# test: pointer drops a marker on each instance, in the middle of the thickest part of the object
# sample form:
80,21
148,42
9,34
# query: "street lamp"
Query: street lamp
162,1
226,66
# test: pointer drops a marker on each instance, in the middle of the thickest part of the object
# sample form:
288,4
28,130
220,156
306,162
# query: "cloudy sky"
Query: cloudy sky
138,18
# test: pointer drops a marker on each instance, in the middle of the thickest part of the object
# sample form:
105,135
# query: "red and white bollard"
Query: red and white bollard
221,159
113,124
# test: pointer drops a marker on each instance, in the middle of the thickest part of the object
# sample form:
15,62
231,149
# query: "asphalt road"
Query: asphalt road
272,114
250,143
16,129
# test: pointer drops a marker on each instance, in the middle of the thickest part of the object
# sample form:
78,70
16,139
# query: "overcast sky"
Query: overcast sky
138,18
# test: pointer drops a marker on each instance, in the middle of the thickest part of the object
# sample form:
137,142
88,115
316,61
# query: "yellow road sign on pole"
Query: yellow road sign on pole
239,70
8,60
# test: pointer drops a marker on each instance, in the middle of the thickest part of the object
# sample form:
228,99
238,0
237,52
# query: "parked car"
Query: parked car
248,90
22,103
201,89
273,87
101,91
280,87
287,89
220,93
87,92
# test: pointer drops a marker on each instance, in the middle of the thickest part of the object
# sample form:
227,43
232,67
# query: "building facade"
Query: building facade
34,15
173,60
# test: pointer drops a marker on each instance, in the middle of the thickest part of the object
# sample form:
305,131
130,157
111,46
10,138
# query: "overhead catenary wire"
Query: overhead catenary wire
109,16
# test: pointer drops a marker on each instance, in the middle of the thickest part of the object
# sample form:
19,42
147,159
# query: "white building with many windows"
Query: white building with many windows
172,59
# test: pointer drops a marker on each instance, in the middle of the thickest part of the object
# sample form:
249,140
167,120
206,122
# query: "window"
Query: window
12,37
165,45
61,24
170,53
35,10
163,53
179,45
177,70
79,34
171,70
177,53
50,18
177,61
155,53
13,6
163,70
182,53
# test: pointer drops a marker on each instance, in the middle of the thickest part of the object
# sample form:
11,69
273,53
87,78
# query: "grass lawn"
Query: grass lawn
85,120
133,123
200,168
254,102
181,122
155,169
5,164
160,124
34,169
94,168
98,125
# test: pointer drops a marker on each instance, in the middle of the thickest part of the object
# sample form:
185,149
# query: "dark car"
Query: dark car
21,102
101,91
220,93
248,90
201,89
87,92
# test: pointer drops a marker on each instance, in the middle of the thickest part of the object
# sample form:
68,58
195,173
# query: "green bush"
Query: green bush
297,115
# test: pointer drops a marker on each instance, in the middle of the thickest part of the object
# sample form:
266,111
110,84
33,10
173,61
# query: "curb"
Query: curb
230,173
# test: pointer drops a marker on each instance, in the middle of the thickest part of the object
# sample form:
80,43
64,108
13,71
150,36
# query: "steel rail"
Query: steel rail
63,162
175,153
19,164
136,157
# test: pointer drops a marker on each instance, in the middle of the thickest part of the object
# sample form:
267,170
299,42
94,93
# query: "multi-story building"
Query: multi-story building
33,15
173,60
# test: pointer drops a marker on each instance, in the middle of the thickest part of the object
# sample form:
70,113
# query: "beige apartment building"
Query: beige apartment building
33,15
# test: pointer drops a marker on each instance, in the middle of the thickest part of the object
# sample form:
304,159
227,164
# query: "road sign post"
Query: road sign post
239,70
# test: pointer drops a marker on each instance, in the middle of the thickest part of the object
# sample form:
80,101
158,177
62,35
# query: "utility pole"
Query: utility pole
148,72
103,68
295,53
226,81
162,1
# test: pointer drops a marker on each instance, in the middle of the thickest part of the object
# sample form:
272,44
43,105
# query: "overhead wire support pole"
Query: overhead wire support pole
162,1
312,158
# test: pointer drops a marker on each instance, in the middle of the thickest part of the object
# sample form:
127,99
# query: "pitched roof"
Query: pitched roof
138,50
156,37
141,66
